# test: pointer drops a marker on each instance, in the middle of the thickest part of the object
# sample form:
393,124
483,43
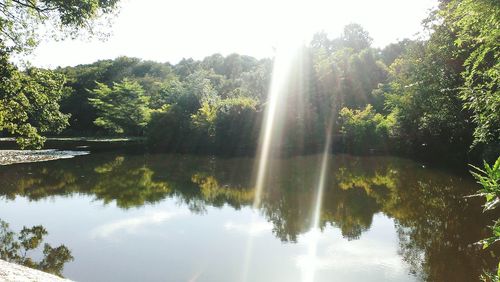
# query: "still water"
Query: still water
161,217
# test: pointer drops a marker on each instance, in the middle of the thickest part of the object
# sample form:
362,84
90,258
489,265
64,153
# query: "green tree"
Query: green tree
20,20
158,80
29,103
394,50
347,70
423,96
235,125
476,24
29,100
122,108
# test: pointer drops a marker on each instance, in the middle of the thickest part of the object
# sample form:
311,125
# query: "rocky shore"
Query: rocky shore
8,157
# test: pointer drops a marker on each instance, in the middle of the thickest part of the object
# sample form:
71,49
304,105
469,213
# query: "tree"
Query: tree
356,37
20,20
347,70
29,103
29,100
122,108
423,95
157,79
394,50
476,24
444,91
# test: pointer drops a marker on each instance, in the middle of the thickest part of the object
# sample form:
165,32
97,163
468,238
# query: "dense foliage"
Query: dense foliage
476,25
122,108
361,125
29,102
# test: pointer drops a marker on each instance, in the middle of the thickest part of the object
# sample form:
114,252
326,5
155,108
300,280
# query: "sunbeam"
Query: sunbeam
293,36
270,137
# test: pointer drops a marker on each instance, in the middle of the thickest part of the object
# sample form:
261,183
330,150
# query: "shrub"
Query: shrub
489,178
365,129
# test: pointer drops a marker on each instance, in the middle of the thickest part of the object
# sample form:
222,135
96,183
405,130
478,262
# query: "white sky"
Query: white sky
169,30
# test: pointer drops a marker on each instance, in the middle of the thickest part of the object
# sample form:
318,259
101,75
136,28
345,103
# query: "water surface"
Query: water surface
160,217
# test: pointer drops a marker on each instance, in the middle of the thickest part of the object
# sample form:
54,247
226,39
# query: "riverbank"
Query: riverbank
10,272
8,157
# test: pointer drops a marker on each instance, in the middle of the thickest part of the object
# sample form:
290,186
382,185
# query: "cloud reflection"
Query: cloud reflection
133,224
254,228
343,254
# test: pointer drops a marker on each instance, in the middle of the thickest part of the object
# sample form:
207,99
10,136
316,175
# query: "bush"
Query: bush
226,126
170,129
364,130
236,126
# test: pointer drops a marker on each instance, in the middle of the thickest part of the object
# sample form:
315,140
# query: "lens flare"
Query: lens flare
292,39
270,134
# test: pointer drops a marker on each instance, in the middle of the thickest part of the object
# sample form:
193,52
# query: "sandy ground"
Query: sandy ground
10,272
8,157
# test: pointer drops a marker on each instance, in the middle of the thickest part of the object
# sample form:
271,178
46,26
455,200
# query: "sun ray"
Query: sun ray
288,50
270,137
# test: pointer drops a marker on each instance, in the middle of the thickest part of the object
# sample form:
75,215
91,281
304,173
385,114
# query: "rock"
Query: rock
10,272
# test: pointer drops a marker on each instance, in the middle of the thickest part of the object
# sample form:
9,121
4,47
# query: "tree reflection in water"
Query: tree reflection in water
437,227
16,248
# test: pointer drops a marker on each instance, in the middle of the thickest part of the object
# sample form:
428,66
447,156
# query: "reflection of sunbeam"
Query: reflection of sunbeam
310,261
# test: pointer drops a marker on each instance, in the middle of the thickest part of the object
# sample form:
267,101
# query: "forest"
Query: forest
413,97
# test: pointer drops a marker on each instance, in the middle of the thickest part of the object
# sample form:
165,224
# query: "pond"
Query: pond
129,216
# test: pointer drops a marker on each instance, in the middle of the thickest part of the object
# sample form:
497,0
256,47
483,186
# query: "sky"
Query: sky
169,30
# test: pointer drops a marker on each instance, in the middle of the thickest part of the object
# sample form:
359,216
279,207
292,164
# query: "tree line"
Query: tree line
420,97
